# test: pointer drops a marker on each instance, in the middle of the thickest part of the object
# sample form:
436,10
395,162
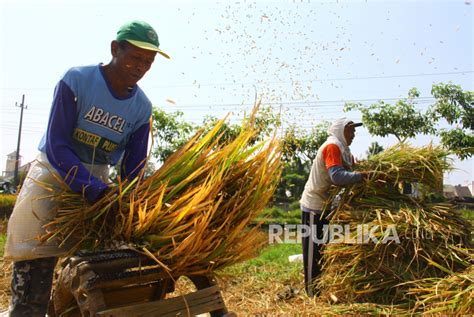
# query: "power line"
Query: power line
330,107
319,80
235,83
302,104
298,104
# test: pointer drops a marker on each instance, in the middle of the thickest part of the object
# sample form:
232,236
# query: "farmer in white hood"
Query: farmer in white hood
332,165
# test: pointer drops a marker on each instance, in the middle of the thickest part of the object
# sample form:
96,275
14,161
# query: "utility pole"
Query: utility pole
22,106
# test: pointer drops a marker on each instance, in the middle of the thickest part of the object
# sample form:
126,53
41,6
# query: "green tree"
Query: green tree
299,149
266,122
401,119
457,108
169,132
373,149
300,146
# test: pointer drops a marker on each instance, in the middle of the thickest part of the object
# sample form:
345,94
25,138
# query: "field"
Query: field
266,285
5,270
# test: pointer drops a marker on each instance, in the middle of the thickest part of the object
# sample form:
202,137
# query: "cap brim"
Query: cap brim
148,46
354,124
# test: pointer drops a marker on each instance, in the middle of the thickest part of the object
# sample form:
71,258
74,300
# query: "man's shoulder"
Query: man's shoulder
87,70
330,147
330,152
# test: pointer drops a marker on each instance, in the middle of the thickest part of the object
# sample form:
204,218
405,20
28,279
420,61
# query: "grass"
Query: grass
279,215
271,263
2,244
7,202
276,255
3,236
468,214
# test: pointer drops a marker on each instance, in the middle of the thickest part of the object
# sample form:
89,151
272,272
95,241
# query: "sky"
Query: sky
304,58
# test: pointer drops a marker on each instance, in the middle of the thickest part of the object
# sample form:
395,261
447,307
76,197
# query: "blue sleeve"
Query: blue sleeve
135,154
59,151
340,176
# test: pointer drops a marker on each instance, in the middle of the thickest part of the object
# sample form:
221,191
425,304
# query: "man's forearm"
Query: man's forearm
341,176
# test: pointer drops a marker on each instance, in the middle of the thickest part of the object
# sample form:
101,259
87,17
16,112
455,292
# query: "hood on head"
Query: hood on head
337,129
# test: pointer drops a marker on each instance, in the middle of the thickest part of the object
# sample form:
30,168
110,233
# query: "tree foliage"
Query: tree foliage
266,123
298,152
457,108
373,149
170,132
401,119
299,146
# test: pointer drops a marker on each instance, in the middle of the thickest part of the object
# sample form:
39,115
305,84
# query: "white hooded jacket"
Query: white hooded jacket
316,189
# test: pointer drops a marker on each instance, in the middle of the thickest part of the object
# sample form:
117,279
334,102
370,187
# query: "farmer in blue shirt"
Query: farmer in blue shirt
98,115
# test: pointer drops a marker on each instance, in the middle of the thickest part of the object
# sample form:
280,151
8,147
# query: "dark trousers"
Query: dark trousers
312,249
32,281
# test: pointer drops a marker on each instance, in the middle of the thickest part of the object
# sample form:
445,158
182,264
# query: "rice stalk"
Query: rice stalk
192,214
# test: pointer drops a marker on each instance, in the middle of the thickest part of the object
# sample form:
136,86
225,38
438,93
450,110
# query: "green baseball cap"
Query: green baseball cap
142,35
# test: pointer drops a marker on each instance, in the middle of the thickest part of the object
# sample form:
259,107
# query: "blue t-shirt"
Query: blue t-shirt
88,123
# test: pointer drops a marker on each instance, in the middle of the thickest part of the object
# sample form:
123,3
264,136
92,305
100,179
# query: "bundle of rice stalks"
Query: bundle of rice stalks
389,237
423,165
192,214
452,295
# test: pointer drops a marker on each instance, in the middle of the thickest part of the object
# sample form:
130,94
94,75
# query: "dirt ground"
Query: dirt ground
4,284
241,295
246,296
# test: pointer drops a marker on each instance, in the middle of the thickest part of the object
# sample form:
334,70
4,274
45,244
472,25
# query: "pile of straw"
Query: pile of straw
433,239
192,214
453,294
